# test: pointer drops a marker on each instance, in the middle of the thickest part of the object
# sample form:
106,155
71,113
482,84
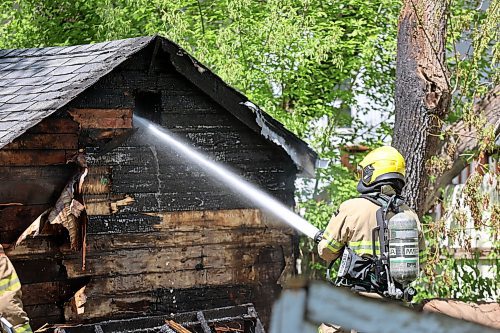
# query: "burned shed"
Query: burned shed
124,226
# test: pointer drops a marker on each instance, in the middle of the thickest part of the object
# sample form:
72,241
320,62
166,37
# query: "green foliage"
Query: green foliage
465,273
472,43
473,36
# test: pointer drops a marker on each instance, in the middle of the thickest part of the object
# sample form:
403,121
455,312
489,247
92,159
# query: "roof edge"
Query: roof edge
236,103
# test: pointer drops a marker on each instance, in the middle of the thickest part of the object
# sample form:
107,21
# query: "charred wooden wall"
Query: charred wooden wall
33,171
162,235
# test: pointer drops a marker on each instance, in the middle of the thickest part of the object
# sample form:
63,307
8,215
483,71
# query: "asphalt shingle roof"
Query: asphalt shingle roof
34,83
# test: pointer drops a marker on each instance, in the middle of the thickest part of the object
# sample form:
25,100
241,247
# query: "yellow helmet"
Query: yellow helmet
384,163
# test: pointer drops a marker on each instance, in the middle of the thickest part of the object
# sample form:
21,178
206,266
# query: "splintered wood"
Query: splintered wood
102,118
177,327
227,328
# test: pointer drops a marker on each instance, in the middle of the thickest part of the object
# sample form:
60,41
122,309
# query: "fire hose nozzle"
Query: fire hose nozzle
318,237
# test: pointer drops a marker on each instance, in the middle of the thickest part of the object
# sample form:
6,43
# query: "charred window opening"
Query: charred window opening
148,105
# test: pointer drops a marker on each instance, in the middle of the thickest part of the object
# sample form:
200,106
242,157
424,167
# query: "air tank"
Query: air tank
403,248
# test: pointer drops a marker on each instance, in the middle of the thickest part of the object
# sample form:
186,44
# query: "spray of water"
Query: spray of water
232,180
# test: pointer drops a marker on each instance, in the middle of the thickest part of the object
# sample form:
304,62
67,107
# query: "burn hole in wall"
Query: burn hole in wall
148,105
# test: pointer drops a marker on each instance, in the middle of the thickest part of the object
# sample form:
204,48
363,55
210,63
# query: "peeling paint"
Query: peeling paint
269,134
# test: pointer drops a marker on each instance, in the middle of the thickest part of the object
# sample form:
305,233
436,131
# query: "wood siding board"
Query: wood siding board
96,137
104,97
115,285
123,155
122,223
169,222
144,183
187,101
183,182
199,121
169,82
45,141
30,157
154,202
139,262
102,118
207,235
55,125
39,247
15,219
39,270
35,173
215,140
92,113
166,300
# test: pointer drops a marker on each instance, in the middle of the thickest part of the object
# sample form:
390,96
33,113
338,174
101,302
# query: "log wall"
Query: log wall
162,235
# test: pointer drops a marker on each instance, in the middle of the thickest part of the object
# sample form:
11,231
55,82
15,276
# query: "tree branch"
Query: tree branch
464,139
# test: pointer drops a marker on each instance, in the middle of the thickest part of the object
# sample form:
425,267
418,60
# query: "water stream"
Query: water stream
230,179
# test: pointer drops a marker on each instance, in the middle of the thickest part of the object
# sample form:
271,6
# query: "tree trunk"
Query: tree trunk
422,91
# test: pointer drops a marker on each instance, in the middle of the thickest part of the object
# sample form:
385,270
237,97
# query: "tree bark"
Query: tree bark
461,139
422,91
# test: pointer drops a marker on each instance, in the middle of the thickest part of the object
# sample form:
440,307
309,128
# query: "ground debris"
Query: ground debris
227,328
177,327
232,319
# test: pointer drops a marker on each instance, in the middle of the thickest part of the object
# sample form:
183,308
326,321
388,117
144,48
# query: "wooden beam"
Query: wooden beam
30,157
163,300
178,239
45,141
55,125
110,286
166,260
304,310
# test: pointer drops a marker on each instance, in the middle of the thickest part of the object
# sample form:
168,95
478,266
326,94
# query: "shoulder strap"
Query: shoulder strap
379,199
386,203
382,231
372,198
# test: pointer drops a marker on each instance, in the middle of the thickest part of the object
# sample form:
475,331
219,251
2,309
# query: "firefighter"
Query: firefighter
11,306
382,175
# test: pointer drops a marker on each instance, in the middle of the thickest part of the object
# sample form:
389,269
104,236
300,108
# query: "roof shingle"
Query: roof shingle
36,82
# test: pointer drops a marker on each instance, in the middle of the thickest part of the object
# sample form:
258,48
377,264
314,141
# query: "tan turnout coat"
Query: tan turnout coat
11,306
352,226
